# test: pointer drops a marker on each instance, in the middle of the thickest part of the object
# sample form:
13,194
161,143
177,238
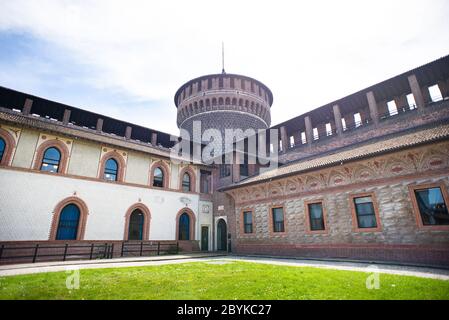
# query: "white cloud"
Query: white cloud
307,53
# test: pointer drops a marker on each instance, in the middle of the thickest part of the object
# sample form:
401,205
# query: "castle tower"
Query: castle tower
224,101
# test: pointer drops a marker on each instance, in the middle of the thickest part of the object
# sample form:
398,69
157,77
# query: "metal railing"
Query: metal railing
40,252
144,248
51,252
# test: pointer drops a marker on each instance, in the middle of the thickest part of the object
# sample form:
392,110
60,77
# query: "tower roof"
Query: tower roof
225,75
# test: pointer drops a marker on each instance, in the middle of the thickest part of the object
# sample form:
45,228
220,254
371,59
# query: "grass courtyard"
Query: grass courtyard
230,280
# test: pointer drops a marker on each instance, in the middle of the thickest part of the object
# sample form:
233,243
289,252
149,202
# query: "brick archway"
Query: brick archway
192,175
120,161
82,220
62,148
10,144
146,222
166,171
192,218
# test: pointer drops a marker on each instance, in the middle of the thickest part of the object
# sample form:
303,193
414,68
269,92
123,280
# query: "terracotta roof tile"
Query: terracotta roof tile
372,149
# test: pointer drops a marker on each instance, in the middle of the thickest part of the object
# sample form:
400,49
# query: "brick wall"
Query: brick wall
436,112
387,178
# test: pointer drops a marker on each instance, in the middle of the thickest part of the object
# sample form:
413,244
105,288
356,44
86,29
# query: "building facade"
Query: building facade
364,177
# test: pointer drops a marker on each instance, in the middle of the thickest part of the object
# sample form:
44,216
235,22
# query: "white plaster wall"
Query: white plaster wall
138,168
174,176
26,146
206,219
28,200
84,159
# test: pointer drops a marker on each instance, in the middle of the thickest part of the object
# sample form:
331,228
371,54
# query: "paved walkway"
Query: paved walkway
55,266
217,258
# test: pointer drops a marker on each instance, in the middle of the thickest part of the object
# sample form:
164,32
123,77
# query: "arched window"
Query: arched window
136,224
2,148
68,223
111,170
186,182
51,160
158,178
7,145
184,227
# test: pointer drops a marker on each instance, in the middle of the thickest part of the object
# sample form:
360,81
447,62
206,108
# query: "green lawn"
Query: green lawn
234,280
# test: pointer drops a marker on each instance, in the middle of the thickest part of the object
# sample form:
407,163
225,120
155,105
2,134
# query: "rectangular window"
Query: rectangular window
316,136
292,141
303,137
364,210
225,170
316,217
247,222
432,207
411,101
343,124
328,129
205,181
435,93
357,119
392,108
278,219
244,172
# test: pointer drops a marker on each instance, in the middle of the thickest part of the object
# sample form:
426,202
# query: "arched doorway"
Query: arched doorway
184,227
68,223
136,223
222,236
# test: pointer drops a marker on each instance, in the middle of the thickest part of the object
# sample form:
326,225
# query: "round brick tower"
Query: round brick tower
224,101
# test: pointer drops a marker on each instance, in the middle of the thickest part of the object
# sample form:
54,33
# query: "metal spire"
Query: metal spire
222,58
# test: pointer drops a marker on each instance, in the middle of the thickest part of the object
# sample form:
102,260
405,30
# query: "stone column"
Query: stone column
236,169
99,124
251,169
416,90
66,117
27,106
373,110
284,138
128,132
309,130
444,88
154,138
337,119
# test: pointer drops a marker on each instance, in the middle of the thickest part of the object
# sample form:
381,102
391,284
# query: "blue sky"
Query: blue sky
126,59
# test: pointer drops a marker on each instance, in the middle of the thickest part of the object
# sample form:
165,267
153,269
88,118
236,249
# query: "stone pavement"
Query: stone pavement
220,258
